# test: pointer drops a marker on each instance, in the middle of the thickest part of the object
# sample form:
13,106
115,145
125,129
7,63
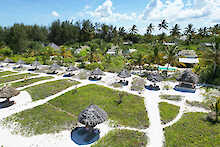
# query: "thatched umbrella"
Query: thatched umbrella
7,92
188,76
71,68
124,74
154,77
92,116
54,67
36,64
97,72
7,60
20,62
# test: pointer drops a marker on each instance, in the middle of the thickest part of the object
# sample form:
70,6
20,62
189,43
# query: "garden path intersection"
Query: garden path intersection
152,99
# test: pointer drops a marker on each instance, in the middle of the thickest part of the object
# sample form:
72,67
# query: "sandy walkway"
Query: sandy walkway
151,99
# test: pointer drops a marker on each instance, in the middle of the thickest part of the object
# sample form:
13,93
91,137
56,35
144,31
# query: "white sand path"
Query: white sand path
151,99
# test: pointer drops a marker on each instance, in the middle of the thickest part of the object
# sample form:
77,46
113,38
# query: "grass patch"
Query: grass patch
198,104
171,97
30,81
4,73
123,138
131,112
39,120
192,130
168,112
50,88
16,77
117,85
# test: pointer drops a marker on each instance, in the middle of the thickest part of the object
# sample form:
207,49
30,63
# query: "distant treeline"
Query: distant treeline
20,37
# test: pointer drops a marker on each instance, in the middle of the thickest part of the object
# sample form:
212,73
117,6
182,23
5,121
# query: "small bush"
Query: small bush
171,97
198,104
93,66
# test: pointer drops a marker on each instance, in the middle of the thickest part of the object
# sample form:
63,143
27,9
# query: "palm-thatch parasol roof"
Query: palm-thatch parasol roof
7,92
71,68
54,67
92,116
97,71
20,62
188,76
36,63
7,60
124,74
154,77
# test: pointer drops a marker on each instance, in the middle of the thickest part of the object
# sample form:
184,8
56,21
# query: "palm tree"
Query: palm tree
213,55
122,32
189,32
150,29
175,31
133,30
140,60
171,55
163,25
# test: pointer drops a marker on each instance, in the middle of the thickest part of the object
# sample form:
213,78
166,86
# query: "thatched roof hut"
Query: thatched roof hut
36,63
7,92
92,116
7,60
97,72
54,67
124,74
71,68
20,62
188,76
154,77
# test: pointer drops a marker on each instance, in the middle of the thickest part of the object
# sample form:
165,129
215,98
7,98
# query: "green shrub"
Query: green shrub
93,66
6,51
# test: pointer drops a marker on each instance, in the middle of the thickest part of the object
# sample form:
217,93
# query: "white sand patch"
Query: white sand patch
22,99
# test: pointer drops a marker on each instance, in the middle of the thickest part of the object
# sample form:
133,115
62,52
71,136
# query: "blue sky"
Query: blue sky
117,12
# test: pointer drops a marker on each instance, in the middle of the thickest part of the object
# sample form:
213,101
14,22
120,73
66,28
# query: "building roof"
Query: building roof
169,43
127,43
189,60
187,53
54,46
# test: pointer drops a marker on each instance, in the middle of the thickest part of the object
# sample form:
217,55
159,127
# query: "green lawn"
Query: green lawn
15,77
40,120
4,73
192,130
123,138
131,112
167,112
30,81
44,90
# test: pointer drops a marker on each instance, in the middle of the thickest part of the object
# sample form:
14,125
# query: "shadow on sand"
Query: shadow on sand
6,104
83,136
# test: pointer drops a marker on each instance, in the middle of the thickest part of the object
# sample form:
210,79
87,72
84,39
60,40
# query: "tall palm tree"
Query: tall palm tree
171,54
133,30
140,60
122,32
175,31
163,25
189,32
150,29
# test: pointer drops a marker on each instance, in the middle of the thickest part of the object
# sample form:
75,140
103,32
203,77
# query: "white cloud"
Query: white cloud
55,14
104,13
177,11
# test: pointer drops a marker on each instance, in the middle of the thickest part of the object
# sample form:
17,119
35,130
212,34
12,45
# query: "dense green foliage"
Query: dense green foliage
131,112
44,90
123,138
193,130
29,81
168,112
